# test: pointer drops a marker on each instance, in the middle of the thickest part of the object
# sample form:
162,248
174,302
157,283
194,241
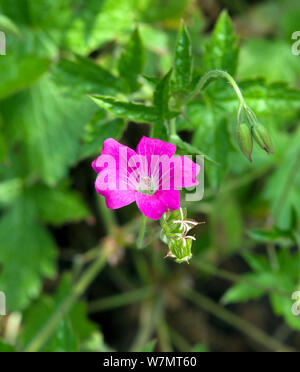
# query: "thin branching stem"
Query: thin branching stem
250,330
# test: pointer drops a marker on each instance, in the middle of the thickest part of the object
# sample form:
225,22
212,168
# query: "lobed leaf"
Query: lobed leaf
85,77
97,131
50,125
183,63
27,254
132,61
128,110
59,205
17,74
222,52
74,329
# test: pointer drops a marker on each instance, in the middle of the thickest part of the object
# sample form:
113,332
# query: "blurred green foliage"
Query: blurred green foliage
121,52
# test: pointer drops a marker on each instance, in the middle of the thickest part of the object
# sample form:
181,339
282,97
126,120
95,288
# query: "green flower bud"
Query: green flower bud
169,221
262,137
245,141
175,227
181,248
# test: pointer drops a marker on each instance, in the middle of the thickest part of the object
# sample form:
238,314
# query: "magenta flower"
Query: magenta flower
151,176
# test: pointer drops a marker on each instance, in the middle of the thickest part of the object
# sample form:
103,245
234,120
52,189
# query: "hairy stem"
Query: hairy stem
217,74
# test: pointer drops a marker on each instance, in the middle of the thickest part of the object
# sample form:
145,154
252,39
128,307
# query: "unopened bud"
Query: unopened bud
262,137
245,141
181,248
175,227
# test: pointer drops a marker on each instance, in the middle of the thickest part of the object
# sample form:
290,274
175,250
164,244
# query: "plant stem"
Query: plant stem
140,239
164,337
243,326
151,313
119,300
173,131
272,256
235,278
107,216
78,289
215,74
179,342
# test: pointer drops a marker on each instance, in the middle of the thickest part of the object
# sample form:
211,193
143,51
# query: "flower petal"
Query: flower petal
117,198
152,206
151,146
114,159
170,198
116,150
185,172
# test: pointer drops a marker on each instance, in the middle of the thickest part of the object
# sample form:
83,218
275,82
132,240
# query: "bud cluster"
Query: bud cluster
249,129
175,227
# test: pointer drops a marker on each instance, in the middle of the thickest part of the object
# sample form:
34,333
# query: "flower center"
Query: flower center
147,185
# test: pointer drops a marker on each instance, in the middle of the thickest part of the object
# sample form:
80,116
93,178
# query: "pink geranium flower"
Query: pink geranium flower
150,176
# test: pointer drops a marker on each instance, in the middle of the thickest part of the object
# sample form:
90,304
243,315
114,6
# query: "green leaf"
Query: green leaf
127,110
27,254
169,11
50,124
98,22
275,235
197,113
153,80
162,96
18,73
183,61
10,190
74,329
7,25
283,186
199,349
64,339
3,141
132,61
33,13
85,77
264,279
185,147
160,130
213,138
276,102
271,58
244,292
227,217
283,307
6,348
149,348
256,262
222,51
97,131
161,99
59,205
